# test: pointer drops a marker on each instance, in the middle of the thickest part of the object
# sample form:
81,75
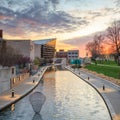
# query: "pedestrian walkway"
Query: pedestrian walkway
7,98
110,92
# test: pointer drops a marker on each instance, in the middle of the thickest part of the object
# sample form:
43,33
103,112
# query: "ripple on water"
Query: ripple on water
67,98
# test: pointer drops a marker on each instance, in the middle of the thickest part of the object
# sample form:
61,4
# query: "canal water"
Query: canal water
67,98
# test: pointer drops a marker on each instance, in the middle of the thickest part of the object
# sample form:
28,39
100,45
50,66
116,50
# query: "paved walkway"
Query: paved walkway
111,94
21,90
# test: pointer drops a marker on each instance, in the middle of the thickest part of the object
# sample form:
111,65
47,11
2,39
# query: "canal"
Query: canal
67,98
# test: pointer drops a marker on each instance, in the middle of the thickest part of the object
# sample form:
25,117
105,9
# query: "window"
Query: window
12,70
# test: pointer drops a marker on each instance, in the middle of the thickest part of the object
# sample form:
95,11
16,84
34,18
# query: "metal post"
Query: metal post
103,87
13,93
33,81
88,78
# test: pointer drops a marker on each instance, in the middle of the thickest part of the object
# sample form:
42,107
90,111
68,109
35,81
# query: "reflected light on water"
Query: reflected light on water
67,98
12,107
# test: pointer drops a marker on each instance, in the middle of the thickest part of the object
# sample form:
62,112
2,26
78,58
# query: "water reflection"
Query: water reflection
12,107
37,100
67,98
37,117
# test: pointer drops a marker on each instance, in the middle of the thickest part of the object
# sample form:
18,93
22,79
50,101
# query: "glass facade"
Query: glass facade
48,49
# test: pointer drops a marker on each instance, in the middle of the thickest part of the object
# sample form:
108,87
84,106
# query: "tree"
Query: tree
98,40
95,48
113,35
22,61
90,47
10,57
37,61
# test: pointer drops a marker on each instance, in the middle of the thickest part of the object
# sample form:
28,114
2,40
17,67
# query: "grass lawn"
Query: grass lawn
106,70
112,63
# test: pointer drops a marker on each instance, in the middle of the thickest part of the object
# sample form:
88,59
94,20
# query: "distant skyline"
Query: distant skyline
65,20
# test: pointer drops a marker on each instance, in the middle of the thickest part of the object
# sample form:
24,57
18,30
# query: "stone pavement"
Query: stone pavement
110,92
21,90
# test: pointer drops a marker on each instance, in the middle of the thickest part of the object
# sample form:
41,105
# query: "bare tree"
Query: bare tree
91,48
95,47
10,57
113,36
98,40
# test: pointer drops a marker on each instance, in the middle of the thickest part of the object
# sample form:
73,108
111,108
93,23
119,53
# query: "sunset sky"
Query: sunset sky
72,22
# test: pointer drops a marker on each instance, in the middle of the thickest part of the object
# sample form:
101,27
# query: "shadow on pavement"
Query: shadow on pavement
37,117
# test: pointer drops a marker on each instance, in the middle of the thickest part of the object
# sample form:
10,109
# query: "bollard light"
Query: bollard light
103,87
88,78
33,80
13,93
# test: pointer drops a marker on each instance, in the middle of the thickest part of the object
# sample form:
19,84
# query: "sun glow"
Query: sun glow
61,45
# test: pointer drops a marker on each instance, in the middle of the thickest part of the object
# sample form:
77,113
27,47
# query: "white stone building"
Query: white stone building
24,47
73,54
36,48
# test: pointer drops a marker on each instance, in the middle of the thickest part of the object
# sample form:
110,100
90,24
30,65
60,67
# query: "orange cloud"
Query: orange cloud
61,45
5,17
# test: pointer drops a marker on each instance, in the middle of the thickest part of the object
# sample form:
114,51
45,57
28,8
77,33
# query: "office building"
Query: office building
72,54
45,48
61,54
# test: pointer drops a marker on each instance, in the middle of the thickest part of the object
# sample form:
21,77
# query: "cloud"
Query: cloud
65,46
117,3
38,16
44,16
80,42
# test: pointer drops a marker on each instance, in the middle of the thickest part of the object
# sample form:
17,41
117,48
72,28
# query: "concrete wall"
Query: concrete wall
24,47
63,61
32,50
5,75
37,50
8,78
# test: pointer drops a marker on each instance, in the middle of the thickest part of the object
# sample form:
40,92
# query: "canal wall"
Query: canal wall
5,74
8,78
